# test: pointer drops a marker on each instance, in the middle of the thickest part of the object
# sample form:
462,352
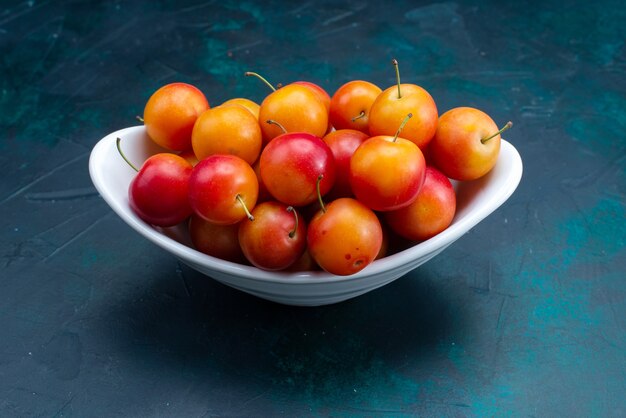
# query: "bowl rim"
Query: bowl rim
390,262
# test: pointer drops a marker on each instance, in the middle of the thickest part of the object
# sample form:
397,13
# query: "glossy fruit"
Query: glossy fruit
343,143
291,164
461,148
247,103
170,114
351,103
221,241
222,189
296,108
322,95
229,129
344,238
387,172
158,193
394,103
429,214
275,238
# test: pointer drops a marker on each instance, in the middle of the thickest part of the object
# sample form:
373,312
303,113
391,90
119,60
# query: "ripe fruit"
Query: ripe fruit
343,143
158,193
230,129
296,107
291,164
223,189
247,103
170,114
344,236
387,172
351,103
322,95
467,143
262,161
275,238
221,241
394,103
430,213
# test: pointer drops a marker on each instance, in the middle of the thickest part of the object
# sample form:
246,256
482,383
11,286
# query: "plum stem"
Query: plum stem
404,122
245,208
504,128
395,64
319,194
260,77
359,116
119,149
273,122
295,228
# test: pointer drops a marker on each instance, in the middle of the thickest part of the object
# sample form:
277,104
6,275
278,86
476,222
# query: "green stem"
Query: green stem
139,118
119,149
395,64
295,228
319,194
273,122
250,73
504,128
245,208
404,122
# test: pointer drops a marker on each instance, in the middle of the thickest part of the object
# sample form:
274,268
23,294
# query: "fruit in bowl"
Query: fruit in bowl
302,221
475,200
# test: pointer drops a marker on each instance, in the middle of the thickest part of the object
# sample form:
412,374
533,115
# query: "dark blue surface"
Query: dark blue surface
524,316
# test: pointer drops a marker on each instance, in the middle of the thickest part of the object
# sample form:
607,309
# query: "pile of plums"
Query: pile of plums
305,180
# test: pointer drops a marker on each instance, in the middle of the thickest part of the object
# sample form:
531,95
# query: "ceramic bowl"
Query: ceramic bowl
475,201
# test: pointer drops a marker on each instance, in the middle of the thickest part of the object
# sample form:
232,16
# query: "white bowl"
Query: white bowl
475,201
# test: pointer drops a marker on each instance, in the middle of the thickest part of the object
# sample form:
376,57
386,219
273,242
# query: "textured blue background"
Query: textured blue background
524,316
